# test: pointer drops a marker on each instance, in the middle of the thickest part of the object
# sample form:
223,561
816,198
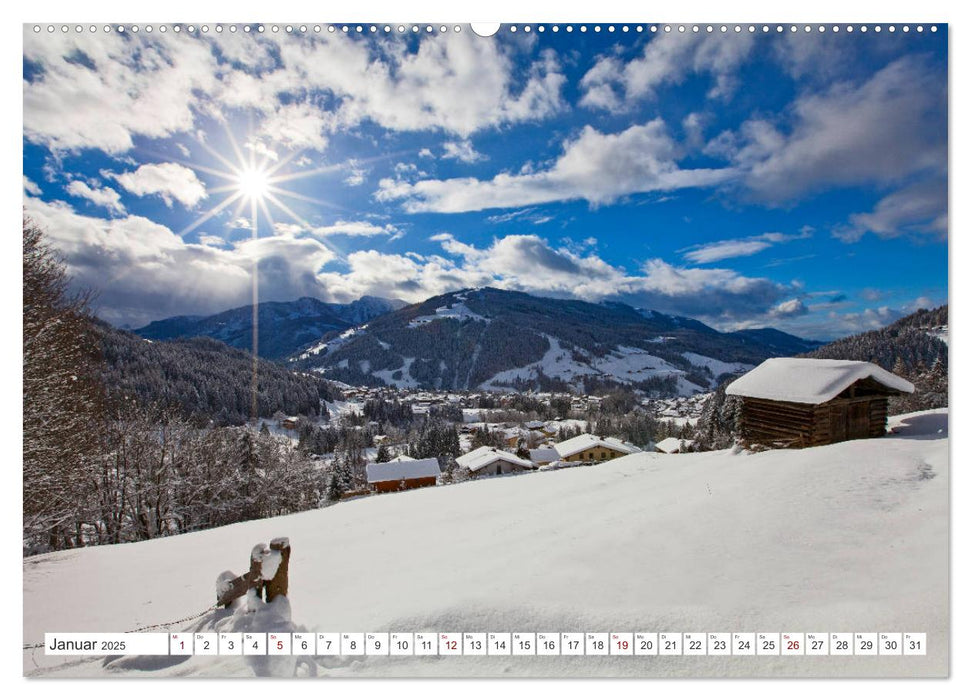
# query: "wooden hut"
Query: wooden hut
403,473
801,402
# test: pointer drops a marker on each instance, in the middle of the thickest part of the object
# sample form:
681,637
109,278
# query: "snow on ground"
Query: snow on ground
404,380
333,344
457,311
717,367
941,333
634,365
343,408
624,364
558,363
848,537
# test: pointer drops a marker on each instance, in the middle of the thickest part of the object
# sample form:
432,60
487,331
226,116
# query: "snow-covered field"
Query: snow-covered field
457,311
849,537
624,364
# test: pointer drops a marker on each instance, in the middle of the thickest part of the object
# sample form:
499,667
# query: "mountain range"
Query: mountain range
491,339
283,326
494,339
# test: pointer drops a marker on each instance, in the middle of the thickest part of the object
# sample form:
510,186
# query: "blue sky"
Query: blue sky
783,179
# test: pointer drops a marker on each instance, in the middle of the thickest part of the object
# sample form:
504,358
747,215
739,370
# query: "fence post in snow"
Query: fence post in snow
255,574
268,571
279,582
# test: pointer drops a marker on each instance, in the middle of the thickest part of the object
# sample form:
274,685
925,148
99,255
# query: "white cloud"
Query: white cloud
143,271
462,151
788,309
102,196
31,187
298,126
878,132
99,91
669,58
596,167
529,214
261,149
216,241
170,181
426,153
339,228
738,247
404,90
356,175
919,209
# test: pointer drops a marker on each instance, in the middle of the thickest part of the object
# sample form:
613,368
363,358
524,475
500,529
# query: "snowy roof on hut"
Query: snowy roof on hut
397,471
589,442
810,381
484,456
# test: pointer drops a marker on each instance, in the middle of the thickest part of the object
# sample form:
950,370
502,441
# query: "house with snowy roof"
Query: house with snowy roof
402,473
802,402
490,461
592,448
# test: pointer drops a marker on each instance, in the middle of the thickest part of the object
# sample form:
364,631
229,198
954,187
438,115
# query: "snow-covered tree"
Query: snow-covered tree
61,397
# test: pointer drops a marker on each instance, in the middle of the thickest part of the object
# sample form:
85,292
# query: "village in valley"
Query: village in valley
496,436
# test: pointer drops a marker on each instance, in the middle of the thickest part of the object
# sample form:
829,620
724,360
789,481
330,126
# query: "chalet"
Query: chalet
489,461
801,402
289,422
591,448
673,445
403,473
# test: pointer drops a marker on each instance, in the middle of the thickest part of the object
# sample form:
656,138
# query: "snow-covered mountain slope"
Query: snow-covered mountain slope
284,327
843,538
497,339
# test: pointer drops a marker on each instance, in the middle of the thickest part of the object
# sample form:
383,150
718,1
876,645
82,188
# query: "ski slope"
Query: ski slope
842,538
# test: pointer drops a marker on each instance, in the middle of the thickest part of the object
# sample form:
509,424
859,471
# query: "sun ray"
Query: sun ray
268,214
240,158
283,162
322,170
303,198
211,213
288,211
230,166
254,390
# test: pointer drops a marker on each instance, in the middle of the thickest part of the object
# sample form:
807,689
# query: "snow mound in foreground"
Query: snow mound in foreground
842,538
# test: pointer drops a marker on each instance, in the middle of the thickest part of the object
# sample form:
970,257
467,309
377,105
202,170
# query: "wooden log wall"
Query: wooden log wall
782,424
776,423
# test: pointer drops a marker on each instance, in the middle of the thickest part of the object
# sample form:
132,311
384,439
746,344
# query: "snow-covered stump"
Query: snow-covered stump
268,571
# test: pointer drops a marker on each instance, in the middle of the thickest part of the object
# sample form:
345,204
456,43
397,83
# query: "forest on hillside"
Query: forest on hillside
205,380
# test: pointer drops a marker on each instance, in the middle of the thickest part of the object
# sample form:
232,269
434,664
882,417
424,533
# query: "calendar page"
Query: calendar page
532,349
